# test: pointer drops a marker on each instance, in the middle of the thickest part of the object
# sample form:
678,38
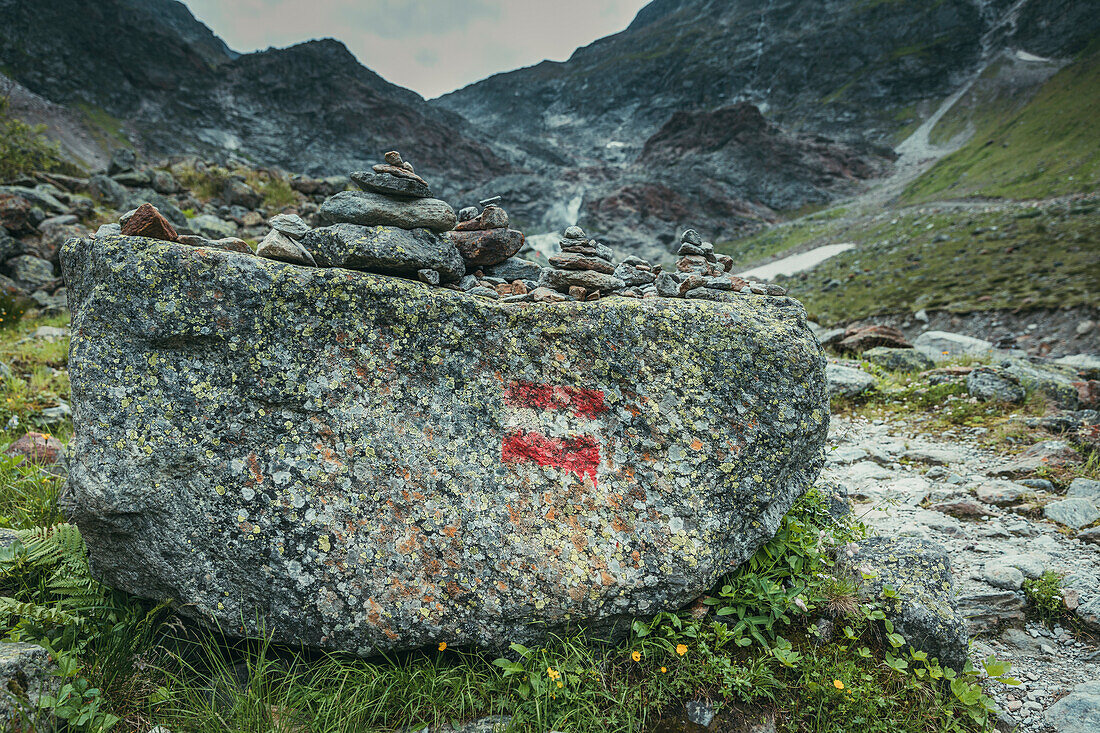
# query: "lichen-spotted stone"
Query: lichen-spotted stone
318,452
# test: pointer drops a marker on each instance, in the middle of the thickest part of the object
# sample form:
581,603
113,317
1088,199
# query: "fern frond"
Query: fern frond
44,615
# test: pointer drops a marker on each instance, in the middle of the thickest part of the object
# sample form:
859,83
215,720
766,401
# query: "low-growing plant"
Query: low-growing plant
1044,595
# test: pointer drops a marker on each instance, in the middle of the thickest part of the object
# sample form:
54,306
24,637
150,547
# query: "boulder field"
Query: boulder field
366,463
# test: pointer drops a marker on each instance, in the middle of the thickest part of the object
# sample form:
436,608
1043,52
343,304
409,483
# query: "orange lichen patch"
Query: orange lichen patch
606,578
697,445
254,468
514,516
450,530
619,525
550,514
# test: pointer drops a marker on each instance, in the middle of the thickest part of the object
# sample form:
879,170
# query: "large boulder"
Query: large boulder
361,462
27,673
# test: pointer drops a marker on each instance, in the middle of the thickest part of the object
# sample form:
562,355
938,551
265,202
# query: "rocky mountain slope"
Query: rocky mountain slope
146,71
725,116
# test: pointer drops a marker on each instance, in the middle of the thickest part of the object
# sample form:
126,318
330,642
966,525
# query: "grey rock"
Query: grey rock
30,272
384,457
163,182
899,360
847,382
367,208
122,159
574,232
587,279
134,179
107,190
942,345
1092,536
576,261
1084,488
494,217
699,712
390,185
633,276
1002,493
483,292
1073,513
55,416
690,236
1023,643
385,250
934,456
212,227
468,214
238,193
50,303
985,612
991,385
9,246
925,611
289,224
1045,378
431,277
468,282
667,287
1087,365
1000,575
26,674
278,246
1045,454
515,268
1077,712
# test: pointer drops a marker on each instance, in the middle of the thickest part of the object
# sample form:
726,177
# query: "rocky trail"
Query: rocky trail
947,488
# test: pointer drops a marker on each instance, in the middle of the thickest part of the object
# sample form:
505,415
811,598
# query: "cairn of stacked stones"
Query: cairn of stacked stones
583,269
701,274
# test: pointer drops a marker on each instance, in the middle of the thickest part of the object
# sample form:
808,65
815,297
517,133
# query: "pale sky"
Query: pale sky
429,46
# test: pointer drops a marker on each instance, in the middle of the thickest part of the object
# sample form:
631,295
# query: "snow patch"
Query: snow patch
796,263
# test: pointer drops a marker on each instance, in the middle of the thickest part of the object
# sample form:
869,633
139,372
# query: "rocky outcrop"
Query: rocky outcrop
360,462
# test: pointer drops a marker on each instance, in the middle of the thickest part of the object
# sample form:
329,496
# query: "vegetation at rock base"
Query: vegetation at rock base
1045,596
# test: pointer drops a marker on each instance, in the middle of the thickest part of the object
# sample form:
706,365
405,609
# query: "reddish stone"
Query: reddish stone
857,340
962,508
15,214
1089,394
148,222
690,283
485,248
576,291
36,448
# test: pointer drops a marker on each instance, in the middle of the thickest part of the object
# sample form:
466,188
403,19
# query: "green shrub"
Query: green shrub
12,308
25,148
1044,594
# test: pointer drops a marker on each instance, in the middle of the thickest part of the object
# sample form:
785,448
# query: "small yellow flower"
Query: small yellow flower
442,645
838,684
561,684
636,656
664,669
681,649
552,673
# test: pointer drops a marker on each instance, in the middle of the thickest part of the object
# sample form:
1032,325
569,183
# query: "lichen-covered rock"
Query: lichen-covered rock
925,610
847,381
26,674
364,463
987,384
385,250
898,360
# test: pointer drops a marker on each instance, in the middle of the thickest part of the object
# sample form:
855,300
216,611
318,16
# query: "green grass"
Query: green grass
782,237
1046,149
39,378
1010,257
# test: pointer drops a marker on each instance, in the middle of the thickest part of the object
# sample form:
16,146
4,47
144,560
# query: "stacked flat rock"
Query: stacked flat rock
484,239
702,274
392,226
583,269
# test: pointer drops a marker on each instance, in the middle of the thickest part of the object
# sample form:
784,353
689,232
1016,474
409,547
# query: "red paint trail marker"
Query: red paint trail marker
579,453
